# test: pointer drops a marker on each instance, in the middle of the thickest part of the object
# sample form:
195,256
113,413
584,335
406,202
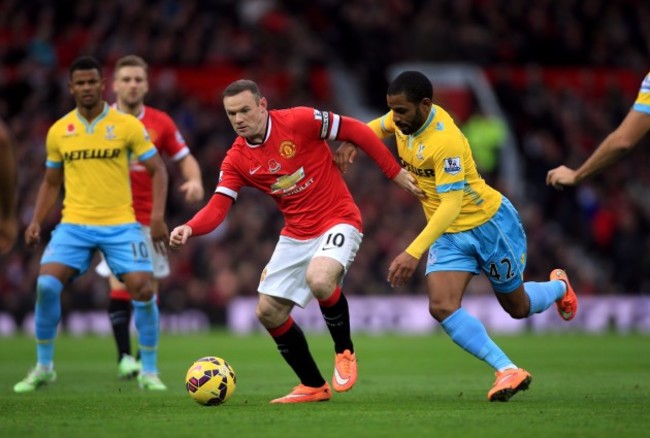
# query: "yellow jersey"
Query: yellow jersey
642,103
95,161
439,157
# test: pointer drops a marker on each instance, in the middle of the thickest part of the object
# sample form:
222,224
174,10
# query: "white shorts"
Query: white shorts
284,275
159,261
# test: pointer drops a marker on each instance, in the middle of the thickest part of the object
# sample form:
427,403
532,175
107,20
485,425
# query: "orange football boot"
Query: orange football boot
304,394
567,306
345,371
508,383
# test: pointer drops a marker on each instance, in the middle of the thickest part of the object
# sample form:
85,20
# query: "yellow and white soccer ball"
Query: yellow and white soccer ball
210,381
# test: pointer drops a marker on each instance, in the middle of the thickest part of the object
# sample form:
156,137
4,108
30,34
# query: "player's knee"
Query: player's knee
321,286
265,315
440,311
271,316
141,289
518,311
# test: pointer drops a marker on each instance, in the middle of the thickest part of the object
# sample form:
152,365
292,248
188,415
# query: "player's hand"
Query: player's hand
561,176
8,233
401,269
179,236
405,180
345,155
193,190
33,234
159,235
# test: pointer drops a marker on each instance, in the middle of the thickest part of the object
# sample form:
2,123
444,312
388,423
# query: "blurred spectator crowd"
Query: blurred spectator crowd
599,232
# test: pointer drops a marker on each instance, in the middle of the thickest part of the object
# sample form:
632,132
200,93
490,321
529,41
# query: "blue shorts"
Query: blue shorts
498,248
124,247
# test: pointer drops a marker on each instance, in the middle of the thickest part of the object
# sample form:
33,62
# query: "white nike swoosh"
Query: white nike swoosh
339,379
252,171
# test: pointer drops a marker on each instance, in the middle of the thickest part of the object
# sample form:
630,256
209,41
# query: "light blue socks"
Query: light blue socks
146,317
470,334
543,295
47,314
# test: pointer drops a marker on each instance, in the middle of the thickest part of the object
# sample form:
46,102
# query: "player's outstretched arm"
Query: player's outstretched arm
403,266
617,144
204,221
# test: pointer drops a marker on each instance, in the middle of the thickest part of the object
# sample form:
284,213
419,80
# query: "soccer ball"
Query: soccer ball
210,381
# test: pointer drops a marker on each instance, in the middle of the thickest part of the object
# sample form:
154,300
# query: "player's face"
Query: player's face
246,115
130,85
408,116
86,87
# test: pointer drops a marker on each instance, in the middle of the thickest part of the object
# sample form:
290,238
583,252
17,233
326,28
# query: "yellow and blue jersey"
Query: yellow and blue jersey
95,161
642,102
439,157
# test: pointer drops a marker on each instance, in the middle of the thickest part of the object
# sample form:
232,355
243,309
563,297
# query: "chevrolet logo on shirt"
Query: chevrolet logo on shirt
287,182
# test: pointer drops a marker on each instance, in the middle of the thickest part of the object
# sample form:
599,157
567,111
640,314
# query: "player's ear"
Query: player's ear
263,103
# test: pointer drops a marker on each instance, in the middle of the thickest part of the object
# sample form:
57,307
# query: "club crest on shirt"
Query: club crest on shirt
452,165
110,132
287,149
419,155
70,130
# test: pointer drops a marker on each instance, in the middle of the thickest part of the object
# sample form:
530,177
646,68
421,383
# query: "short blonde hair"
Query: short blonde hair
131,61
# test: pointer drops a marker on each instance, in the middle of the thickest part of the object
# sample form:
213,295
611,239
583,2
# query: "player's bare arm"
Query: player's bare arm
159,230
401,269
345,155
48,193
193,185
614,147
405,180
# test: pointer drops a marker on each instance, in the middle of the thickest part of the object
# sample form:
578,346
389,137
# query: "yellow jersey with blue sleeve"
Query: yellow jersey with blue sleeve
95,161
439,157
642,102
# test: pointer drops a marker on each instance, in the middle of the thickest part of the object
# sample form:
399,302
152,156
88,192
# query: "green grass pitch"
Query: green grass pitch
424,386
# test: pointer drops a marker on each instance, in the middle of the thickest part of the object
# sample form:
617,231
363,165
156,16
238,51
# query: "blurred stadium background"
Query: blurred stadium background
534,83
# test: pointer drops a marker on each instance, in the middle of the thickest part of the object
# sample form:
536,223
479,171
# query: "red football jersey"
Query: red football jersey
295,166
169,141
